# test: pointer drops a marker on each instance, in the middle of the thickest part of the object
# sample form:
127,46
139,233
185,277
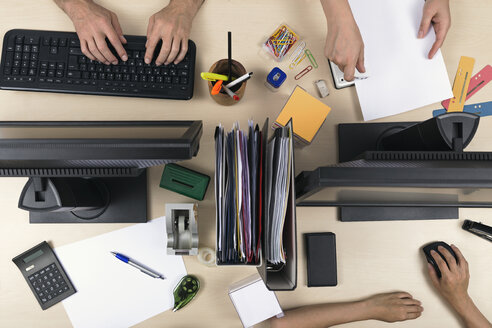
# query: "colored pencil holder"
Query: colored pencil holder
237,70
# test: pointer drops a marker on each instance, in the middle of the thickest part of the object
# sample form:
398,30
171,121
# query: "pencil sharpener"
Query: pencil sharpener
182,229
275,79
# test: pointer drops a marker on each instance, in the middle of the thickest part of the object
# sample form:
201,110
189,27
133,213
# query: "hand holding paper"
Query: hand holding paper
436,12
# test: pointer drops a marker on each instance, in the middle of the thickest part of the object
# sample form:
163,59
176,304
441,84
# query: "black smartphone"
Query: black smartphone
321,259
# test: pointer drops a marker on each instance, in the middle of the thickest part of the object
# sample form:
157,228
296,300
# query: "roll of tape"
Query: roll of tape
206,256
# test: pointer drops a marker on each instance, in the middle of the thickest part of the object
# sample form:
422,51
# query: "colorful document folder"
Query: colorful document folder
255,202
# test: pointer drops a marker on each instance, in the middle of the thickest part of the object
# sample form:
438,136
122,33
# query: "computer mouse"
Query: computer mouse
433,246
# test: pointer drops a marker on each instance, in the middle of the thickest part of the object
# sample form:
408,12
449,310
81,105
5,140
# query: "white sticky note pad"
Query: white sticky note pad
402,78
254,303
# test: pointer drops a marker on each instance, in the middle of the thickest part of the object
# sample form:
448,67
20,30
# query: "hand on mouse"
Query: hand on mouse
344,45
393,307
436,12
453,285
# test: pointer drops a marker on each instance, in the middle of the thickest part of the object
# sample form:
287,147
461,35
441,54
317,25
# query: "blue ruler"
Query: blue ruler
480,109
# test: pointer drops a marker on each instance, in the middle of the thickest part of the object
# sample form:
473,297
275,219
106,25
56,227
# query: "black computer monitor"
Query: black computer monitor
404,170
91,171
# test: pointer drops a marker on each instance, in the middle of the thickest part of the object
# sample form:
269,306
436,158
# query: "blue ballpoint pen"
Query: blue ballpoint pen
138,266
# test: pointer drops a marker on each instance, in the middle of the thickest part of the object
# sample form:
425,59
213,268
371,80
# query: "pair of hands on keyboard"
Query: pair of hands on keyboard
94,23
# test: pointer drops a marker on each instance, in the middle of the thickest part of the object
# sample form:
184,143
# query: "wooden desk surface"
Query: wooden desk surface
373,257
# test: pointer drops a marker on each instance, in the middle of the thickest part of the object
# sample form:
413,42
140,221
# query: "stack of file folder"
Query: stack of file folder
255,202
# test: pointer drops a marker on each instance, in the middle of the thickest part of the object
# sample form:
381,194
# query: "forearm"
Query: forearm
65,5
323,315
334,9
471,315
191,6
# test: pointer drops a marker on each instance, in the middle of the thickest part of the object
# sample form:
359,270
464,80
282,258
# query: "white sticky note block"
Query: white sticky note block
402,77
254,303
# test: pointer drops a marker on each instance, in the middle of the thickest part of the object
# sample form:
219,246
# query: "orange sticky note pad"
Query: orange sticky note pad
307,113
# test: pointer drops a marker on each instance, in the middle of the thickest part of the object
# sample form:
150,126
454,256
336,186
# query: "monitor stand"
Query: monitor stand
124,201
353,140
356,138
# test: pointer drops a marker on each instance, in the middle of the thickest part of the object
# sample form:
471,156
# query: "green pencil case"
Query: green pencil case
184,181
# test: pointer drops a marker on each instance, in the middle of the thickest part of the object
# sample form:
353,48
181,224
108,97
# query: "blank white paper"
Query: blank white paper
401,78
111,293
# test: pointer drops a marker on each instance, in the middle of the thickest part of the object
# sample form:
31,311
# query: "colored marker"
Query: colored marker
213,76
217,87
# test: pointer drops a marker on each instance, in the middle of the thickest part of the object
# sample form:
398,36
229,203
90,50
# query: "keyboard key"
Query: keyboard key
32,72
18,55
34,56
54,50
60,65
62,42
73,74
9,59
33,40
18,48
72,62
75,51
33,64
34,49
54,42
51,65
46,41
26,48
19,39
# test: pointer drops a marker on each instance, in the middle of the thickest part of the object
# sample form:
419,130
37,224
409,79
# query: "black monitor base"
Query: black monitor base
356,138
392,213
127,204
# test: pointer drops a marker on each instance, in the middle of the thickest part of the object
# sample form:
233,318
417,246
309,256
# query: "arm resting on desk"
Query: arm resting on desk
388,307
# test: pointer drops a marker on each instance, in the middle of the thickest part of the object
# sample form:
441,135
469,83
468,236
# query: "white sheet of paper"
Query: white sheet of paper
401,78
111,293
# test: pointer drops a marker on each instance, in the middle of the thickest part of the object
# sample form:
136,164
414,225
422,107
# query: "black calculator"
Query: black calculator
45,275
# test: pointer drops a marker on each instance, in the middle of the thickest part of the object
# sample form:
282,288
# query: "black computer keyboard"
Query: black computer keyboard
53,61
